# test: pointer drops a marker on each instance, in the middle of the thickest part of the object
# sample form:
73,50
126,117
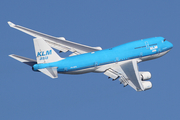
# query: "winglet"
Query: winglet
11,24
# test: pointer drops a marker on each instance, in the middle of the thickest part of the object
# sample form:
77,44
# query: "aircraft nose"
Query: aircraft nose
170,45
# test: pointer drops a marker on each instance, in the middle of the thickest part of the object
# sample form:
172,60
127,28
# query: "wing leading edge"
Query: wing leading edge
58,43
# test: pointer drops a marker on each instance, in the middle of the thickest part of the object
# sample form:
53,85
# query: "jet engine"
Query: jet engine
145,75
147,85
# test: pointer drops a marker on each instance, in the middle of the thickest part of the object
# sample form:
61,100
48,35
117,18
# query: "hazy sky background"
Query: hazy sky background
28,95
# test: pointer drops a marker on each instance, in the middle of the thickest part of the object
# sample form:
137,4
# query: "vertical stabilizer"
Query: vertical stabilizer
44,53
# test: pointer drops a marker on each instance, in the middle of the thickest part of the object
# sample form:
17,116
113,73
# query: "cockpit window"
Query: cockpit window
164,40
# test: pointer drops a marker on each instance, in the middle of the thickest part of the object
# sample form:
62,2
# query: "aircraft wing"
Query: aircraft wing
129,75
58,43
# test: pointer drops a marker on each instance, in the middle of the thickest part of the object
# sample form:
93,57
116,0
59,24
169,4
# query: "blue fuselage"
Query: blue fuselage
137,49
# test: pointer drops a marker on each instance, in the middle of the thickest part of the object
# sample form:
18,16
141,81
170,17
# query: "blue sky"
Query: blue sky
28,95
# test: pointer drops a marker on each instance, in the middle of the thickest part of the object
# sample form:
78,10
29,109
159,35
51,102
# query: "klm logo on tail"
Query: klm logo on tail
44,54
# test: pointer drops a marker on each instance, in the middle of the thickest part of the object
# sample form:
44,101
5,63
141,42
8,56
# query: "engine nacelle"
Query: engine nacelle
147,85
145,75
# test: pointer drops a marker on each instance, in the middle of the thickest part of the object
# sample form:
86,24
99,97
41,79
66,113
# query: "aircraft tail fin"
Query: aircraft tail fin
44,53
51,72
25,60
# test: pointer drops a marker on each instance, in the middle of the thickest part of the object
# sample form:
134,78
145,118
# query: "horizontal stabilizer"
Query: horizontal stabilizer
27,61
51,72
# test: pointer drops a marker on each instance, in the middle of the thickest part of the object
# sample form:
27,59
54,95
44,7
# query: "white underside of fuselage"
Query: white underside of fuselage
103,68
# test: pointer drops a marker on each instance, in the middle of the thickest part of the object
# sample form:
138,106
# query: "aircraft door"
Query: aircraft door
96,64
147,45
159,50
65,69
141,54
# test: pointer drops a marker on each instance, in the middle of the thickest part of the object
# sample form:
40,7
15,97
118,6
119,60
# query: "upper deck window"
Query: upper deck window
140,47
153,44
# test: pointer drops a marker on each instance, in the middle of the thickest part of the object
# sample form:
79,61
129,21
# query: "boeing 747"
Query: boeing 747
119,62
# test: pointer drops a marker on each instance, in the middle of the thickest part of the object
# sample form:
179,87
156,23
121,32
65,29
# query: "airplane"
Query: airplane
119,62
